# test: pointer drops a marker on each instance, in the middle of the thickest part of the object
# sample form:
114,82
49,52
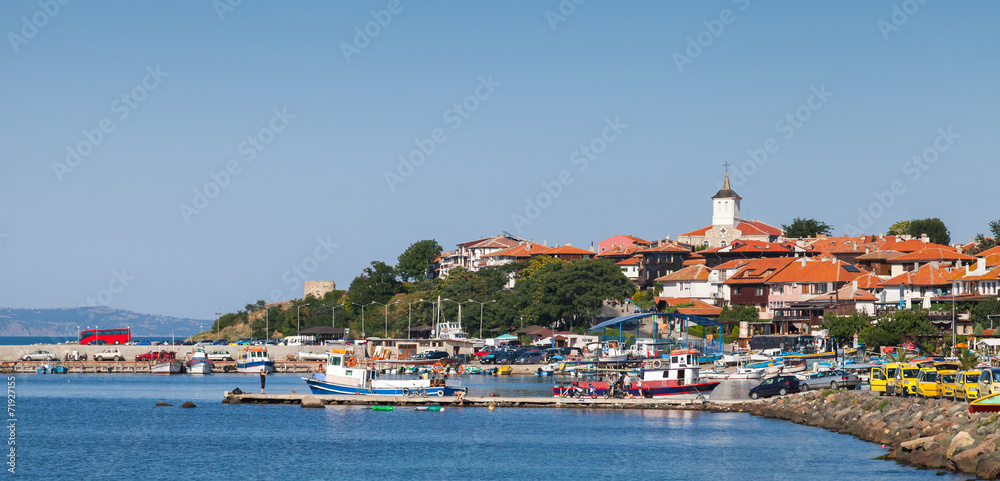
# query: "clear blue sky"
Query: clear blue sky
110,225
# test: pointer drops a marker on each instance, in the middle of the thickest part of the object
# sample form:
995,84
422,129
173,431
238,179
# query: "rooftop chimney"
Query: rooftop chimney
924,238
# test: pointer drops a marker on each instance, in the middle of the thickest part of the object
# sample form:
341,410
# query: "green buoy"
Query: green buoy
381,408
432,409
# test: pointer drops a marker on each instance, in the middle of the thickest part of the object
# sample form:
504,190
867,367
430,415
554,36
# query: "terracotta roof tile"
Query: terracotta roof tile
914,245
932,254
523,250
690,273
990,275
926,275
564,250
664,248
817,270
759,271
989,252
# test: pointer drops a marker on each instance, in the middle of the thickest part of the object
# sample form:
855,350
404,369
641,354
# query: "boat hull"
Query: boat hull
649,389
255,367
199,367
408,389
986,404
167,367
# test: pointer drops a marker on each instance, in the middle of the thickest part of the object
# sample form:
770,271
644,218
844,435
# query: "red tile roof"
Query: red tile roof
523,250
989,252
690,273
914,245
816,270
840,244
564,250
637,240
664,248
869,282
747,227
932,254
733,264
631,261
759,271
847,293
927,275
753,246
879,255
694,261
619,251
960,275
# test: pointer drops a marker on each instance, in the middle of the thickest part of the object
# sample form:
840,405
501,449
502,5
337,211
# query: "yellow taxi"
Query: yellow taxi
927,383
905,383
882,377
946,383
967,385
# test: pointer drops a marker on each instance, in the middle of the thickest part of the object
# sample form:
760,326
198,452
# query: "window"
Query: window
779,289
706,243
760,290
806,289
722,244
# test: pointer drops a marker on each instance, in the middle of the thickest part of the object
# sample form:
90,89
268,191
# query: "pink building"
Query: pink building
621,241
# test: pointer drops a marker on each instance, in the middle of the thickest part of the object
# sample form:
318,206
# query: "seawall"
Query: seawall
926,433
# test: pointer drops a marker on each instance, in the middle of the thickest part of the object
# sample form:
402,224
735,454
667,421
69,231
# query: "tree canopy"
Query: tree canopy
412,264
805,228
377,283
889,328
934,228
984,241
843,328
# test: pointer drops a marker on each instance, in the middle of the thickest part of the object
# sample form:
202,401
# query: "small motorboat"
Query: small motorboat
165,362
254,360
346,374
199,363
504,371
313,356
986,404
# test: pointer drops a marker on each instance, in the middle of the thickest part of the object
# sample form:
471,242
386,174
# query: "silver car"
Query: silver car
832,379
39,356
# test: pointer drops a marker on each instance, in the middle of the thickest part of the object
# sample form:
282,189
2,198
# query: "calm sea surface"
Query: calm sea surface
100,426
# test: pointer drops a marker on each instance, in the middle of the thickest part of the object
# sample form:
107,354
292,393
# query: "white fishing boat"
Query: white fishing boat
681,380
254,359
199,363
607,351
346,374
450,330
313,356
166,363
734,358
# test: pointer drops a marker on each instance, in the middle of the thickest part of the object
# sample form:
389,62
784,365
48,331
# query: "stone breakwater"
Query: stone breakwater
926,433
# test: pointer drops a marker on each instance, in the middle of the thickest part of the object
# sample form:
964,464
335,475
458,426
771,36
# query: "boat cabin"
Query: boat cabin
683,369
344,369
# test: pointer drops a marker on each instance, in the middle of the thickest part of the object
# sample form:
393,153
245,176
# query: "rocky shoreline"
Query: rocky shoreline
926,433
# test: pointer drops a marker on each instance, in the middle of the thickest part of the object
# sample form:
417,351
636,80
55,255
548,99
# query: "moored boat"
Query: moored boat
986,404
254,359
165,362
680,380
199,363
345,374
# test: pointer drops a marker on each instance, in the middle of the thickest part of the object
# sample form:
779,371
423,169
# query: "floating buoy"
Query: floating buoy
381,408
492,407
433,409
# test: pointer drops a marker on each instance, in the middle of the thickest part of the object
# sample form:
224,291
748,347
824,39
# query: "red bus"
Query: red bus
106,336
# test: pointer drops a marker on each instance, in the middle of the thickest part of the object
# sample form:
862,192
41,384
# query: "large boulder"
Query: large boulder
312,402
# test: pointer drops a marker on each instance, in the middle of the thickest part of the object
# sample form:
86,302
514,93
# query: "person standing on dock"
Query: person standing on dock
263,379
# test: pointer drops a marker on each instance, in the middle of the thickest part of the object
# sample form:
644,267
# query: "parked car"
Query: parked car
39,355
110,354
946,383
98,342
832,379
778,385
530,357
989,382
906,381
927,383
462,358
967,385
220,356
149,356
480,354
429,356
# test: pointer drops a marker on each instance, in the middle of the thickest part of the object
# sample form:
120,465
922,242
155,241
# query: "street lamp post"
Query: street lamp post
481,304
333,314
459,310
298,321
363,316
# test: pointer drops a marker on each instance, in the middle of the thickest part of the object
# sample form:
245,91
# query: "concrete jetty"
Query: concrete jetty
483,401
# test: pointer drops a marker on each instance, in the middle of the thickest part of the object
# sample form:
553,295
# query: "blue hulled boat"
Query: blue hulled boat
346,374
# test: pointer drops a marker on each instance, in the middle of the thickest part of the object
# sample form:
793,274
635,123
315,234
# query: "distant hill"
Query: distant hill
64,321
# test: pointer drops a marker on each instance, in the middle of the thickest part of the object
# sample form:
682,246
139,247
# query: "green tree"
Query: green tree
980,312
376,283
967,359
739,313
805,228
984,242
934,228
843,328
412,264
889,328
899,228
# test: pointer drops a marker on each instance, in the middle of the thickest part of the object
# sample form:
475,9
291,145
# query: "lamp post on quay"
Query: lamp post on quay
481,304
363,335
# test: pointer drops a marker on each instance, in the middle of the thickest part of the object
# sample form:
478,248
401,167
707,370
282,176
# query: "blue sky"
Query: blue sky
310,133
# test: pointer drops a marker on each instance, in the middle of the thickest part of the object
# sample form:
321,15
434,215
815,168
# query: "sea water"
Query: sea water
107,426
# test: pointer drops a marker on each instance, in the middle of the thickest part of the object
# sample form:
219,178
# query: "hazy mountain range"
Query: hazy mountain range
64,322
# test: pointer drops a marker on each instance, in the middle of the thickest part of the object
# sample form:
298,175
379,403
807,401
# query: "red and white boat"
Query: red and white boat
680,380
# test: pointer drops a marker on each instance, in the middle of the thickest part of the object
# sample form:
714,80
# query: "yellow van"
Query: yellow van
946,383
967,385
905,383
989,381
927,383
884,377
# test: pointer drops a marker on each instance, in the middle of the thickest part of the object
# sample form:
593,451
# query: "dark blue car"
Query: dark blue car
777,385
